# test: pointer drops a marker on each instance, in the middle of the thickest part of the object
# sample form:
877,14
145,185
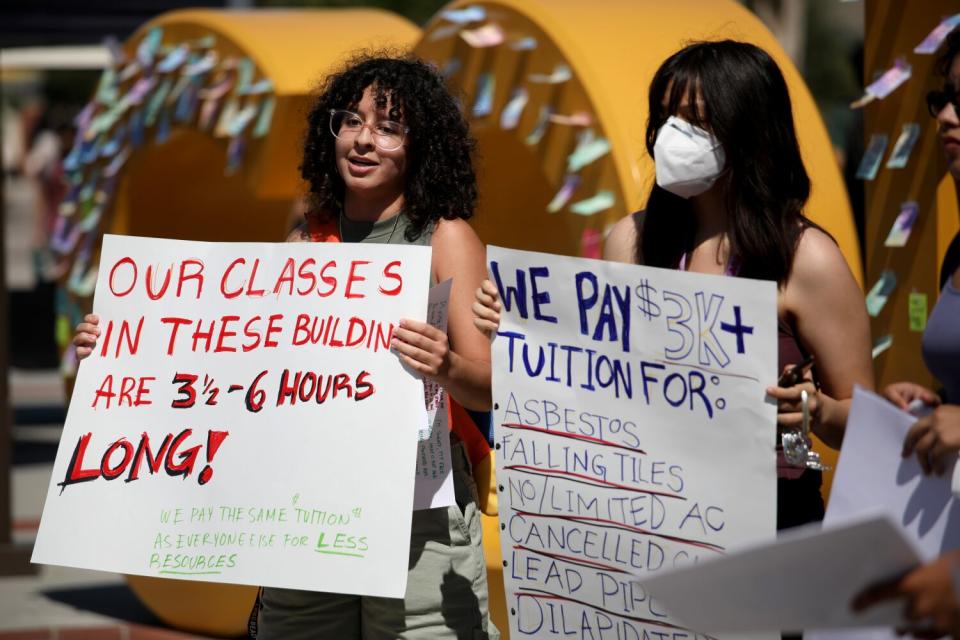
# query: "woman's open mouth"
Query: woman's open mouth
361,166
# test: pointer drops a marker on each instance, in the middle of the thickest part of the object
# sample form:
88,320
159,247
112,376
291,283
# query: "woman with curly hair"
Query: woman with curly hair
387,157
388,160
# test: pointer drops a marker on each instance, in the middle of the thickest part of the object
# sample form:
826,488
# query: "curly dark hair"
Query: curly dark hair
440,179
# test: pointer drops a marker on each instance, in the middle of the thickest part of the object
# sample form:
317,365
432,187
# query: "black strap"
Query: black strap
951,261
254,615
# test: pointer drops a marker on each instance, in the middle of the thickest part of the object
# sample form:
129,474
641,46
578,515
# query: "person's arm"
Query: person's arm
903,394
935,439
621,243
831,321
932,605
458,360
298,234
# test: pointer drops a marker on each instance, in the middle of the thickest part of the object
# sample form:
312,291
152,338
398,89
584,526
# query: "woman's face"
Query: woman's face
690,109
367,170
948,123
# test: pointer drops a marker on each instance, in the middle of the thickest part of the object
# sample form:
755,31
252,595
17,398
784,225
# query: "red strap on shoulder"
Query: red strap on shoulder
322,229
462,424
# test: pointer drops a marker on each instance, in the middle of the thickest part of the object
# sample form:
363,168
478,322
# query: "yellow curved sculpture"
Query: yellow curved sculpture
612,49
293,49
587,65
210,175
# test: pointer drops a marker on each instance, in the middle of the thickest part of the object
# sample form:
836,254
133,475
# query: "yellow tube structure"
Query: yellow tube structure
178,189
612,50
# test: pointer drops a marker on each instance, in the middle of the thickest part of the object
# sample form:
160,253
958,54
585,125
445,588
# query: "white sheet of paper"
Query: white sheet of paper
873,476
433,486
631,434
804,580
312,483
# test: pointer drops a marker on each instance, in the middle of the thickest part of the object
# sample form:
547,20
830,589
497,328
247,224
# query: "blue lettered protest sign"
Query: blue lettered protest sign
632,435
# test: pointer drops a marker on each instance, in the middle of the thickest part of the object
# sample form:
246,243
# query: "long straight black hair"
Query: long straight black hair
736,91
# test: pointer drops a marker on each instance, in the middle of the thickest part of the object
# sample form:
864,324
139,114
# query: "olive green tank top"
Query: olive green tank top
392,230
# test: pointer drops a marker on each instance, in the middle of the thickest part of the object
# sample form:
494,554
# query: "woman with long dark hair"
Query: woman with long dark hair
930,593
729,199
388,160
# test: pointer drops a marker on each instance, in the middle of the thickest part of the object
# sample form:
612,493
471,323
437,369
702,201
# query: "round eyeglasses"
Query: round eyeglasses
387,134
937,100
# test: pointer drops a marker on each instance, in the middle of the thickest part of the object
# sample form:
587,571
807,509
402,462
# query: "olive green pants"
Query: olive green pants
446,593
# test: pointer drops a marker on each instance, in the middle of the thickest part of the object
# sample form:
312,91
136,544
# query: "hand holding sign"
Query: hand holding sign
486,308
935,439
904,394
931,602
423,348
85,339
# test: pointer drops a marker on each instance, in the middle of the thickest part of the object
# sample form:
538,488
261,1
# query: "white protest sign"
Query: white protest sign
632,435
805,579
243,418
434,483
873,476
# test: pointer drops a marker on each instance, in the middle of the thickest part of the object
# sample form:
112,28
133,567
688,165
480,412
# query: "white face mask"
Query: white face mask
688,159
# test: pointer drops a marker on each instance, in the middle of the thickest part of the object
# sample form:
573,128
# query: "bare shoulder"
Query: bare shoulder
818,257
621,243
299,234
456,246
448,234
820,275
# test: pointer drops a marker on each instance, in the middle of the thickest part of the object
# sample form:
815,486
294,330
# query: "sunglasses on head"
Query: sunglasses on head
938,99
